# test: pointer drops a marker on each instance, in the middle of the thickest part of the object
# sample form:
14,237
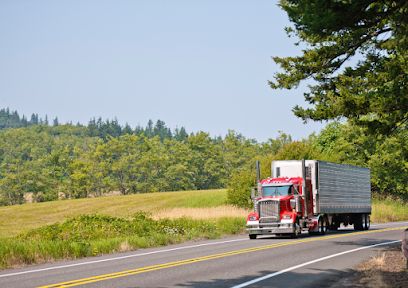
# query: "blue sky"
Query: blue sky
199,64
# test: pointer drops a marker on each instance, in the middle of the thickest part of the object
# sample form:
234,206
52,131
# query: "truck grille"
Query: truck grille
269,211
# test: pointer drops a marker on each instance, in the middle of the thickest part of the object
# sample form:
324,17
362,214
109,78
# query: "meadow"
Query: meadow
200,204
69,229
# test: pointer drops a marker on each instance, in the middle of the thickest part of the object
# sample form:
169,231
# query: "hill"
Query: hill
204,204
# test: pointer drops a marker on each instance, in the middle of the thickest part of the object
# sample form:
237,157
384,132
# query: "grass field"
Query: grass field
68,229
388,210
203,204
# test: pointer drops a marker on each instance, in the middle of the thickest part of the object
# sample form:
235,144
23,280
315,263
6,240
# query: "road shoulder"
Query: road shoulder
386,269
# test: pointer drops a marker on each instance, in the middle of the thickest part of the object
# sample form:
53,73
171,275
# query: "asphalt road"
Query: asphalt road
309,261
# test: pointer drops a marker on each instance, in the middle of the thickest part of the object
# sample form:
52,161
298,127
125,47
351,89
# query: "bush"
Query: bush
239,188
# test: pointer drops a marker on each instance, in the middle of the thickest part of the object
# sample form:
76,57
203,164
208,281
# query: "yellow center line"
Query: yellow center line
155,267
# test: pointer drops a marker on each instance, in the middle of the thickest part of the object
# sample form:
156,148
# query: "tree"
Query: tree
386,156
34,119
161,130
127,129
180,134
149,128
371,93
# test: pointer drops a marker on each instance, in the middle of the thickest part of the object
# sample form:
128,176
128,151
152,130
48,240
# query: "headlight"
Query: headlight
253,217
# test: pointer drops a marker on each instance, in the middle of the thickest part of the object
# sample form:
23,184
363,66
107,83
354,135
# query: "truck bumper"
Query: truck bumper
270,228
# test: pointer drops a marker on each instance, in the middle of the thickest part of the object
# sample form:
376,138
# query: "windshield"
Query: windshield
276,190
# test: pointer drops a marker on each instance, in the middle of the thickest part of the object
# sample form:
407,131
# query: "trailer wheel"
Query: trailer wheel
367,221
334,226
252,236
358,222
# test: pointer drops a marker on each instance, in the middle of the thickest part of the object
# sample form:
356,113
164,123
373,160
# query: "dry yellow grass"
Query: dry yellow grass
387,210
125,246
387,269
376,262
202,213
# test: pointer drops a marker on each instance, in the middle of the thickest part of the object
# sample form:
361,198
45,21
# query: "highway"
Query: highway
308,261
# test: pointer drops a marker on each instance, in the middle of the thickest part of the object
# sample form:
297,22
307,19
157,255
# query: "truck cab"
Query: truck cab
277,207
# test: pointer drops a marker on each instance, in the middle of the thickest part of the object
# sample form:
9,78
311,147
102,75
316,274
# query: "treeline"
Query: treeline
11,119
96,127
47,162
65,162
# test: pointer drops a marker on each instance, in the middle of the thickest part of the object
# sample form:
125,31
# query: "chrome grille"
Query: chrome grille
269,211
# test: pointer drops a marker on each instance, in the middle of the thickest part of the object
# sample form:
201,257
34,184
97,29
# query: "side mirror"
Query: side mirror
253,194
295,203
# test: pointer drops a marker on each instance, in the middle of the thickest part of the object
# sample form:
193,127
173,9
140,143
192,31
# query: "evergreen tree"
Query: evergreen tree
373,92
34,119
180,134
127,129
149,129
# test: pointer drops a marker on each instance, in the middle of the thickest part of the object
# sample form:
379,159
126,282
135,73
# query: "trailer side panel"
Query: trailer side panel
343,188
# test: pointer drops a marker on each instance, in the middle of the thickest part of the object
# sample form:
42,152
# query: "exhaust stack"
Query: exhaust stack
258,172
304,192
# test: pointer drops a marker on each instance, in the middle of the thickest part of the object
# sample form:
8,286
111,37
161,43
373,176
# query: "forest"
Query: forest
42,161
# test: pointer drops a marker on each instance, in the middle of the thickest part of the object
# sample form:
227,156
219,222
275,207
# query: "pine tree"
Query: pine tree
34,119
371,92
149,129
127,129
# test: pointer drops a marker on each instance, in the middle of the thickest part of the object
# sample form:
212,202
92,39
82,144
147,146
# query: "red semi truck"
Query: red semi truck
310,195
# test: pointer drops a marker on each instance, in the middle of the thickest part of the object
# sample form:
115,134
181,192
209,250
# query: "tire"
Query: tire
335,225
252,236
367,222
296,230
322,226
358,222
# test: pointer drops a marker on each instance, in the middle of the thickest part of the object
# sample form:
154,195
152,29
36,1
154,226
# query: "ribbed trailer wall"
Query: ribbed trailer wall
343,188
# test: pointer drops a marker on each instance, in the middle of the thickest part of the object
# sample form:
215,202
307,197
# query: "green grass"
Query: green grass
91,235
388,210
41,232
20,218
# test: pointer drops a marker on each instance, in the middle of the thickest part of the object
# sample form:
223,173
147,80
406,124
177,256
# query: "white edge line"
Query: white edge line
256,280
119,258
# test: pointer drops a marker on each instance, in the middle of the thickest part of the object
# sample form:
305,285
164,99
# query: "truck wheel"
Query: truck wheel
366,221
335,225
252,236
296,230
322,226
358,222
